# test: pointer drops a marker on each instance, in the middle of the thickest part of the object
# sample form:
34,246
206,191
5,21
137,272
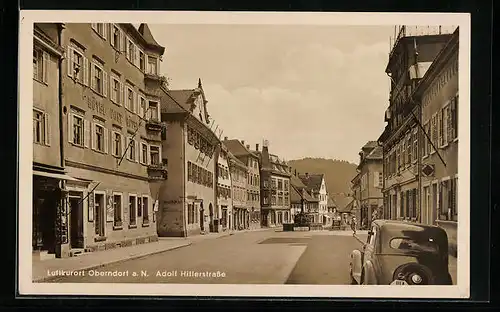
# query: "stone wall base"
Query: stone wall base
122,243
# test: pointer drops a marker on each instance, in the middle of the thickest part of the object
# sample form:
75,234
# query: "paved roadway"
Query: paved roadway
262,257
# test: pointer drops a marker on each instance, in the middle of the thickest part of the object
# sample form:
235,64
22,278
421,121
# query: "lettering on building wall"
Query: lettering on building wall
95,105
132,123
116,116
174,201
439,82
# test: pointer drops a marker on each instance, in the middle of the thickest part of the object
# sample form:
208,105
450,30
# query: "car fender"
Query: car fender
356,265
369,273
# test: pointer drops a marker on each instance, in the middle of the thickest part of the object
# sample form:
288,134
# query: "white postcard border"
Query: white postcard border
27,287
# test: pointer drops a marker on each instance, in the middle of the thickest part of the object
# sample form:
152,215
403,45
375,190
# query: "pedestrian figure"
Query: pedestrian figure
353,224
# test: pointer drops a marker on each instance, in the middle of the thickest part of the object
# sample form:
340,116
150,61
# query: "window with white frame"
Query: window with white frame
117,144
100,28
40,65
132,208
130,50
132,151
116,37
415,145
78,130
77,64
130,103
144,154
153,110
154,152
117,210
142,107
116,87
41,127
98,78
142,61
99,138
152,65
145,210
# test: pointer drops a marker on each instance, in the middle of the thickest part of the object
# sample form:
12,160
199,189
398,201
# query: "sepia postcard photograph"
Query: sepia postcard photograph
244,154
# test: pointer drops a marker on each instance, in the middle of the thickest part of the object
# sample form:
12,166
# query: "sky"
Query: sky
311,91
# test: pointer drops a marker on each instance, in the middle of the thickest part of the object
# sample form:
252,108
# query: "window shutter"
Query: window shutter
92,75
134,104
92,134
106,142
70,128
69,61
157,65
124,147
375,179
47,129
148,113
123,43
46,59
105,28
113,143
141,156
120,95
87,137
105,84
85,71
440,127
137,151
136,55
148,161
125,97
112,34
159,155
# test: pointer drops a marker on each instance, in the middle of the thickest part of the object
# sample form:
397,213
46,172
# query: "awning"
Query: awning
58,176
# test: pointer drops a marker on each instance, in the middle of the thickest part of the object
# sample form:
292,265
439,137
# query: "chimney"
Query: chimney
243,142
295,172
257,147
225,138
307,175
248,146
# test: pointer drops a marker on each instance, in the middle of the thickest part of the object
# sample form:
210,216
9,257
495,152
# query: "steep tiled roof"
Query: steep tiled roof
183,97
343,202
331,203
147,35
312,181
375,154
295,181
237,148
294,195
370,144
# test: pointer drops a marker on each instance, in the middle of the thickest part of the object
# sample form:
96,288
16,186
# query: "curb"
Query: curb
93,267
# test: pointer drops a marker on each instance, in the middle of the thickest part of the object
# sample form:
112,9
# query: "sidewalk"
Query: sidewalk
452,267
97,259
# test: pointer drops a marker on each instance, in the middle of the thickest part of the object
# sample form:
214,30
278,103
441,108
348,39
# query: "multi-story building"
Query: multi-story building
437,94
251,160
411,55
316,186
49,198
368,183
275,188
188,197
112,133
239,172
224,196
300,200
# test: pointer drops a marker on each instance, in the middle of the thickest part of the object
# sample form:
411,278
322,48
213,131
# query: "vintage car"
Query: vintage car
401,253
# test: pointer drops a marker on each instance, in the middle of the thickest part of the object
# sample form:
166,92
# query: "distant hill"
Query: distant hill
338,173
